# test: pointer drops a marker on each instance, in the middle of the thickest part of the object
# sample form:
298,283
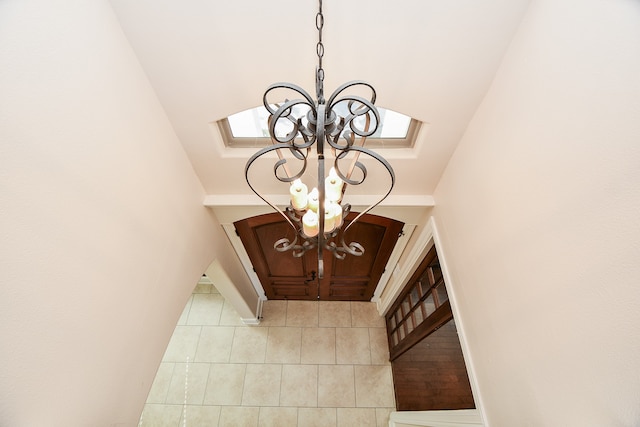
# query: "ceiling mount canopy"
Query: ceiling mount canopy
341,124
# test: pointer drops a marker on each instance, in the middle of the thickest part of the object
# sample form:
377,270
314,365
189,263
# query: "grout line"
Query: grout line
219,416
233,337
317,385
166,394
221,310
286,313
335,346
244,381
300,347
350,314
281,382
187,308
355,390
370,347
195,352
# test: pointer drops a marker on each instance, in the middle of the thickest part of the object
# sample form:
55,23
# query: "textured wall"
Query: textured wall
538,213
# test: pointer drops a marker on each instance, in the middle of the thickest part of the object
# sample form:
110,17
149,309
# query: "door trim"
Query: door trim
230,231
402,273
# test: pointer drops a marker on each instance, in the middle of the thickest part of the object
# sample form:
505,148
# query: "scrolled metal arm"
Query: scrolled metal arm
284,112
353,83
355,248
283,244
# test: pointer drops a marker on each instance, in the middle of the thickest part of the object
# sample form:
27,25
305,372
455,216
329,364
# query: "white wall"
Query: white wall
538,213
102,229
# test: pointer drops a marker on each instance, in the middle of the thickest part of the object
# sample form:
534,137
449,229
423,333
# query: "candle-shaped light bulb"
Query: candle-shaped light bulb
312,200
337,214
298,192
310,223
333,186
329,216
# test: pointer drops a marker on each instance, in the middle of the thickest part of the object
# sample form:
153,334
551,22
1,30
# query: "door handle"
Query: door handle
313,277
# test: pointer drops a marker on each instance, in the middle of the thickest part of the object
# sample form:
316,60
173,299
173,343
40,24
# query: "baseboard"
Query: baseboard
453,418
255,320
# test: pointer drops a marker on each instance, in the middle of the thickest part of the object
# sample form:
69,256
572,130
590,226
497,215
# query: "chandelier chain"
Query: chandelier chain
320,53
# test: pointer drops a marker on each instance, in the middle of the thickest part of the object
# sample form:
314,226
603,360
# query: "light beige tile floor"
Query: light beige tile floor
307,364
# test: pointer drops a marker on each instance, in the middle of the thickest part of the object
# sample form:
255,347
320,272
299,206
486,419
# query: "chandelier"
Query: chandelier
339,125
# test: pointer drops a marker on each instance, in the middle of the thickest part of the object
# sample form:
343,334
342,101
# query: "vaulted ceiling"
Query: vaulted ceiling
432,60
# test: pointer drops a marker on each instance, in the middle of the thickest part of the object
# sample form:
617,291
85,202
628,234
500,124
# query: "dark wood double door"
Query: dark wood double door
284,276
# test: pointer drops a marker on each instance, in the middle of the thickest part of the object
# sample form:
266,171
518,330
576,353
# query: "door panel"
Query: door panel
369,235
340,290
284,276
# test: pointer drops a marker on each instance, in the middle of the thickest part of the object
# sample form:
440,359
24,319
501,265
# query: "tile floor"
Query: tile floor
307,364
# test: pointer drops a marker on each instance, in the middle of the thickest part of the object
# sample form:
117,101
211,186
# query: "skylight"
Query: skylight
249,128
253,124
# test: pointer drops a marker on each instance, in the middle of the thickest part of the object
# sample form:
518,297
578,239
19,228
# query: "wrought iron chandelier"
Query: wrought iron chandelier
340,124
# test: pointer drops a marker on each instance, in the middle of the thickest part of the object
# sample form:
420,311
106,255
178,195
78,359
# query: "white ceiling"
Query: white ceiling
432,60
